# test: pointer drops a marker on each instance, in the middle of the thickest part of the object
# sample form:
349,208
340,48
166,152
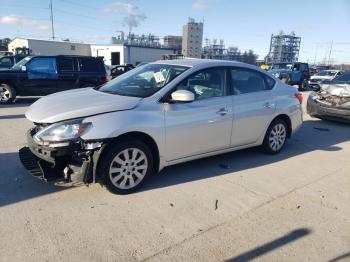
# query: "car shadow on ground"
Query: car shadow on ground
16,185
314,135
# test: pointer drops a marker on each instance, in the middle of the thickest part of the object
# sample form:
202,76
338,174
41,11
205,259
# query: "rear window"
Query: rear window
65,64
88,65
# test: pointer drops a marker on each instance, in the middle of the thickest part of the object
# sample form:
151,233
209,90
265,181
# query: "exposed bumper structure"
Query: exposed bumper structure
67,165
318,107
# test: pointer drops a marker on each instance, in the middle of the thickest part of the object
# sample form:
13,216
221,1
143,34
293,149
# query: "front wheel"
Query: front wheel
125,166
276,136
7,94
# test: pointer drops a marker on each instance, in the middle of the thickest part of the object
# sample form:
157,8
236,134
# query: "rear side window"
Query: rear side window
6,61
42,68
88,65
65,64
249,81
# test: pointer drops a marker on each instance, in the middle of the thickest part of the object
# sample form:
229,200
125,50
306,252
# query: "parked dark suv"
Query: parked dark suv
296,73
43,75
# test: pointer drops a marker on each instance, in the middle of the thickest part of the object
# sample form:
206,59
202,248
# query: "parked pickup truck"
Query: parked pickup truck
43,75
6,62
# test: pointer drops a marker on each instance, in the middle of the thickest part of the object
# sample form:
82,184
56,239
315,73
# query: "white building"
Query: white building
117,54
192,38
50,47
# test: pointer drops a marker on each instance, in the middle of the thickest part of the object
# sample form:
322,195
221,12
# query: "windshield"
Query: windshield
21,63
282,66
143,81
327,73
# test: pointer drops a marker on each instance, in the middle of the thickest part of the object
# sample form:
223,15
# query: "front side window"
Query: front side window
208,83
343,77
143,81
249,81
42,68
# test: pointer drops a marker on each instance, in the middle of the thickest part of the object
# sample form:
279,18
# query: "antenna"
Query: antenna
52,29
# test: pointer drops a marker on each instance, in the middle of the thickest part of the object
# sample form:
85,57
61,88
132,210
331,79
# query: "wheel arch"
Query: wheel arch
141,136
12,84
287,120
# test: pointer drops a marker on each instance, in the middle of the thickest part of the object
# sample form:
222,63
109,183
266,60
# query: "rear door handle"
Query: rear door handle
222,111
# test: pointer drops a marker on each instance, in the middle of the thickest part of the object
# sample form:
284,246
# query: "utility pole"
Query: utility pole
330,52
52,29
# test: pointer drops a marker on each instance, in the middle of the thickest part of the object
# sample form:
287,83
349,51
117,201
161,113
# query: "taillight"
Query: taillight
299,96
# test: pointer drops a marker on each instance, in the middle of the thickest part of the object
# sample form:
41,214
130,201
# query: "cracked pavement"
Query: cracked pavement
238,206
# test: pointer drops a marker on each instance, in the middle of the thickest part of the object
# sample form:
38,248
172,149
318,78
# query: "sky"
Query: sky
323,26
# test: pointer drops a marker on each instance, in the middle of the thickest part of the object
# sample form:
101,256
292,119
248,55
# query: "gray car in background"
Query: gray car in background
157,115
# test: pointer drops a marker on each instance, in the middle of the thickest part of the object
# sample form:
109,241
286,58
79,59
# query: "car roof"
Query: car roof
192,62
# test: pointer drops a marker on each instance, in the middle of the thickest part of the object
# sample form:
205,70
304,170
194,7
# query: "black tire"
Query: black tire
108,162
7,94
267,144
304,85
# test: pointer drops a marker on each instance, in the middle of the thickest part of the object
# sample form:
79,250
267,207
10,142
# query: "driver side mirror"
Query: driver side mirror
23,68
182,96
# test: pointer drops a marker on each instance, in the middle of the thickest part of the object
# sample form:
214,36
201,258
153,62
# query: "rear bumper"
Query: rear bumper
321,110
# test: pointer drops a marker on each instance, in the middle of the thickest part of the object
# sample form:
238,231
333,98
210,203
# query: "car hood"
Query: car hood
77,103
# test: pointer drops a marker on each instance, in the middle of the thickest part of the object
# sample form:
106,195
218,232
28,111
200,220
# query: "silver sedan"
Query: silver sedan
157,115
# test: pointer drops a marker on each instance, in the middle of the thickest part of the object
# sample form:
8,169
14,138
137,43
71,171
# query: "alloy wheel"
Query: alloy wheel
277,137
128,168
5,94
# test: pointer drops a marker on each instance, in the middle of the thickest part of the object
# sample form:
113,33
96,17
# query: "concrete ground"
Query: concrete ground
239,206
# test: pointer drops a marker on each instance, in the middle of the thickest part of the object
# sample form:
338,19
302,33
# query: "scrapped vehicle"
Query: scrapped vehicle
344,78
120,69
319,78
157,115
292,74
43,75
332,102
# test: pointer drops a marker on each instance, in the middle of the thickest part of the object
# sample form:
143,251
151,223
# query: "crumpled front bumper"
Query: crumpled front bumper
323,110
66,165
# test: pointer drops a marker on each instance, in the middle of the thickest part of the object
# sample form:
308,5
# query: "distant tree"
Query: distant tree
249,57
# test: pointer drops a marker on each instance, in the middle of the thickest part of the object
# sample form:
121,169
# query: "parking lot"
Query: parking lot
239,206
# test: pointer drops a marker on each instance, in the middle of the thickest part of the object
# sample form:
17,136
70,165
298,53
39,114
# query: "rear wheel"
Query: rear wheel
275,137
304,85
7,94
125,166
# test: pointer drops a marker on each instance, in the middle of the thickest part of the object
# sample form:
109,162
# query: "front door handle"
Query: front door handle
222,111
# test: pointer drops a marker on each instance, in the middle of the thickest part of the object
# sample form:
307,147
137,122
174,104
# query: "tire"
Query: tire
275,137
7,94
118,169
304,85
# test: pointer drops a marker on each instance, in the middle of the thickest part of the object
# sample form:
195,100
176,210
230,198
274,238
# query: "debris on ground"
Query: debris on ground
298,207
171,204
216,204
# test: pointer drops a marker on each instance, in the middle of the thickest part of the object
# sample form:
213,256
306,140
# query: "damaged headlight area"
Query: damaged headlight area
63,132
56,152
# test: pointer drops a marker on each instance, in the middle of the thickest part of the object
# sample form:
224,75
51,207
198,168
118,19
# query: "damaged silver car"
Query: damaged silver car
332,102
157,115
